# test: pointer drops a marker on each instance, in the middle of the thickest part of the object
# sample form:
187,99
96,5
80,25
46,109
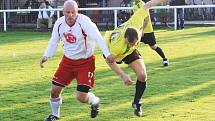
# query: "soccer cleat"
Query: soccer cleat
94,110
165,62
137,109
51,118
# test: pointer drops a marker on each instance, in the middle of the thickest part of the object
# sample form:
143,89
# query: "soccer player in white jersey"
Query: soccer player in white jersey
79,35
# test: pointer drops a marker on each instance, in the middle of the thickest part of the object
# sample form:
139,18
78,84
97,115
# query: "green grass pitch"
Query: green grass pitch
185,91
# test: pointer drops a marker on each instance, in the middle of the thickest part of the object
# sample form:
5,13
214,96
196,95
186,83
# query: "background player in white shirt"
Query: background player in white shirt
78,34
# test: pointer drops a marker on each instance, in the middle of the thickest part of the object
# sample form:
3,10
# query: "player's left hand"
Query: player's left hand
111,58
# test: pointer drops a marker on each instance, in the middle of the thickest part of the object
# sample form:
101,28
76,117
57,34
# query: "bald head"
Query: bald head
70,3
70,11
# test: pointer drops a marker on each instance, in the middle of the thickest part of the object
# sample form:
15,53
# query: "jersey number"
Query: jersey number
90,76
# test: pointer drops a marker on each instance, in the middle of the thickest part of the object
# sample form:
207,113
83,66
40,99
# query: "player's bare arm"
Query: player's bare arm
111,58
145,23
152,3
126,78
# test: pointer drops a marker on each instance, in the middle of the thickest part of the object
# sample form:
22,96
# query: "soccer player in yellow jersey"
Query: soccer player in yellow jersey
149,37
122,43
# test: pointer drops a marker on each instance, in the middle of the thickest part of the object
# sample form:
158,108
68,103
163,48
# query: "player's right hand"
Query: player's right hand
127,79
43,59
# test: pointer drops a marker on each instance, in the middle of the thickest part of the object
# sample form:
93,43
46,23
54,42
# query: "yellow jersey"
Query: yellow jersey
137,6
115,39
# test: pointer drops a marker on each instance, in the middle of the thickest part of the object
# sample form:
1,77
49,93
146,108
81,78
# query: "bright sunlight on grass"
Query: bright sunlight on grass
185,91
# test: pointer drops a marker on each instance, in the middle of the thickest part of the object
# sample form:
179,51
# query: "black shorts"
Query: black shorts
149,38
132,57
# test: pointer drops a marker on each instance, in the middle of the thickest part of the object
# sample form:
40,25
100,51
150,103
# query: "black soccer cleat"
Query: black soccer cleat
165,62
51,118
94,110
137,109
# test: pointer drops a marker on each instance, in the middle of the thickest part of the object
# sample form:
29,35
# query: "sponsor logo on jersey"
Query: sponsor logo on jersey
69,37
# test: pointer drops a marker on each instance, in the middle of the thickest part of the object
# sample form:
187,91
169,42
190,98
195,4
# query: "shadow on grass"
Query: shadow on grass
186,80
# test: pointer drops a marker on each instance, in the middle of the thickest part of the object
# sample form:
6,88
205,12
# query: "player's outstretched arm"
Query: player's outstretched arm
145,23
126,78
151,3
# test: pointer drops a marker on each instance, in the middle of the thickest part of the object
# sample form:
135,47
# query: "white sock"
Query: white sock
55,105
92,99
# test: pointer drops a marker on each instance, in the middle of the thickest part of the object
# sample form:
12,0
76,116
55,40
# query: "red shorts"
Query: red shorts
82,70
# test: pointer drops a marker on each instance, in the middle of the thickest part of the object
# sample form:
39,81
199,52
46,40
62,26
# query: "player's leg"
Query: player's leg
181,14
151,41
161,53
49,23
39,23
139,68
84,96
85,80
134,60
62,78
55,102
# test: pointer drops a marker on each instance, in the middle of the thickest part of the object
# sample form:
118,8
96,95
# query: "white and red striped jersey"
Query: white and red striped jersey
78,40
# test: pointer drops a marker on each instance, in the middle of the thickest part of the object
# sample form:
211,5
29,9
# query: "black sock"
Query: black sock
160,52
140,88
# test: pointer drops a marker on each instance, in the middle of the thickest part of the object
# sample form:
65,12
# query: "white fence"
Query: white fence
115,9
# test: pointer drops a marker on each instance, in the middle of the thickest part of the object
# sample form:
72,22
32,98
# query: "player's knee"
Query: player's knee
154,47
82,91
142,77
82,97
55,93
